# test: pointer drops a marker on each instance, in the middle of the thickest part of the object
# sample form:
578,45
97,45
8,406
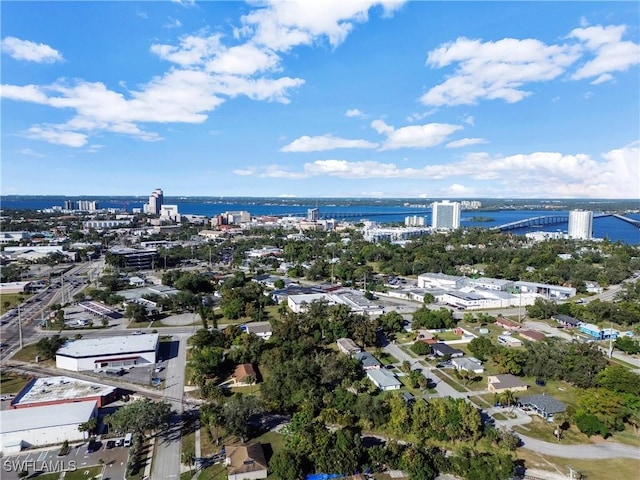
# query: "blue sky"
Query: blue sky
321,98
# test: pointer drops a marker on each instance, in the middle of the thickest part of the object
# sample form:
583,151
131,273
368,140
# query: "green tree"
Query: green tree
237,411
287,465
140,416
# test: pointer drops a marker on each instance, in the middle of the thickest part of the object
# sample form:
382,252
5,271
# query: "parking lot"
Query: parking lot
115,461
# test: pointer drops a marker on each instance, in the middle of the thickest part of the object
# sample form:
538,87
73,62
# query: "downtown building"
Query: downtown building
580,224
156,200
445,215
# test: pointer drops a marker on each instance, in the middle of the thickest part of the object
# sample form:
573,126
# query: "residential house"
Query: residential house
566,320
244,375
261,329
348,346
509,341
368,361
442,349
245,462
543,405
532,335
424,335
599,333
507,324
384,379
467,365
502,383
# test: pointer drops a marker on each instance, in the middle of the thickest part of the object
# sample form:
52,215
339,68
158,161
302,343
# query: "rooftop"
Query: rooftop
245,459
366,359
383,378
93,347
506,381
59,388
46,417
545,403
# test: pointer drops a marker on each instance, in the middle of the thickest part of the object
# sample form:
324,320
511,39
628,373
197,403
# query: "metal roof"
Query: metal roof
97,347
48,416
545,403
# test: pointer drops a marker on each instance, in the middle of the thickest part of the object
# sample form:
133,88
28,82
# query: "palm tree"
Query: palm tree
88,426
189,458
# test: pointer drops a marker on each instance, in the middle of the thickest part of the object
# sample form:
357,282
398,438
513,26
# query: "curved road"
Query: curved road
591,452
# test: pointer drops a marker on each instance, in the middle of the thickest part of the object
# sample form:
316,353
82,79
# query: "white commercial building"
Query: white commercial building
445,215
414,221
39,426
169,212
108,352
580,224
441,280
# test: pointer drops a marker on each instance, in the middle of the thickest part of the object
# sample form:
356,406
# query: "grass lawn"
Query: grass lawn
12,383
208,447
29,353
447,336
563,391
84,473
189,442
591,469
498,415
541,429
386,358
12,300
627,436
416,392
217,472
445,378
408,351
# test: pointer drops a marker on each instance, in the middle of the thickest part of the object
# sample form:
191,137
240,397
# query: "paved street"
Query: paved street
166,460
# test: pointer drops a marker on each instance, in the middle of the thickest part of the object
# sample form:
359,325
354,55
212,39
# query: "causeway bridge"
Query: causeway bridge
556,219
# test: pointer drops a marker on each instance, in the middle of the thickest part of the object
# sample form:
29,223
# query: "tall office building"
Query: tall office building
414,221
88,205
313,215
69,205
580,224
445,215
155,202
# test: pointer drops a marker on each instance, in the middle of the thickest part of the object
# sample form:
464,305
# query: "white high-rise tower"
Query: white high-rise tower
580,224
445,215
156,200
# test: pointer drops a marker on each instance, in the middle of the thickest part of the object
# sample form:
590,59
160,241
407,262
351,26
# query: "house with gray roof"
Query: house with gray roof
544,405
368,361
383,379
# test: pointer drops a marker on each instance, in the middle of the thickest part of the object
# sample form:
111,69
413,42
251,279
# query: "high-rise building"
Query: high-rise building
69,205
414,221
445,215
87,205
581,224
313,214
155,202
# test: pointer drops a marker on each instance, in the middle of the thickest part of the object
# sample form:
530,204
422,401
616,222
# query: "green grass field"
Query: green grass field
12,383
84,473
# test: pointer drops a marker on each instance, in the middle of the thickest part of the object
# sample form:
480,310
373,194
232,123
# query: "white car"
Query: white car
158,369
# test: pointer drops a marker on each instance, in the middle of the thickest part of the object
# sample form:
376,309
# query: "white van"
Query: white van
127,440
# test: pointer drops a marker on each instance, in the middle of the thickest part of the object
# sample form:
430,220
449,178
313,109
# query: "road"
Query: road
167,457
591,452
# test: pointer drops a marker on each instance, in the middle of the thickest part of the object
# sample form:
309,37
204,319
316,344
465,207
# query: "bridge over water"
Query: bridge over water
556,219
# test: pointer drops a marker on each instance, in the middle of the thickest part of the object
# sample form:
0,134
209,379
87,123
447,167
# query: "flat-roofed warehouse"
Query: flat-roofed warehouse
108,352
39,426
57,390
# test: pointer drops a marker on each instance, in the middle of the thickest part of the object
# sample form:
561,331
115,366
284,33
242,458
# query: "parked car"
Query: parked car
111,444
158,369
93,446
138,332
540,382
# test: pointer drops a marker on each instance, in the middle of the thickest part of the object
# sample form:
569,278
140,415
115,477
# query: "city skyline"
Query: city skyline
332,99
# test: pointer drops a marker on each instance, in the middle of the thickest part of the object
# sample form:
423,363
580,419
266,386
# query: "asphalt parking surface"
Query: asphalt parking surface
115,461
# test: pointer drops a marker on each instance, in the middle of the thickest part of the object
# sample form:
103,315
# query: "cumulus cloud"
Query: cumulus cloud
537,174
465,142
324,142
501,69
29,152
495,70
205,71
354,112
414,136
30,51
612,54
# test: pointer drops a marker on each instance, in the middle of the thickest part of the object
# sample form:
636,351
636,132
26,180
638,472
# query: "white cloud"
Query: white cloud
58,136
30,153
457,190
283,25
204,75
469,120
354,112
612,54
465,142
324,142
286,195
414,136
414,117
538,174
30,51
185,3
584,22
172,23
95,148
605,77
492,70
